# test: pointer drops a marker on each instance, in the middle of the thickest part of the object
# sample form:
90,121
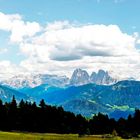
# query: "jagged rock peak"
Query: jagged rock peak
102,78
79,77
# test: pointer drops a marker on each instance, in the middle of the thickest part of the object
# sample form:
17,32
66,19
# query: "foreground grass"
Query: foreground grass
36,136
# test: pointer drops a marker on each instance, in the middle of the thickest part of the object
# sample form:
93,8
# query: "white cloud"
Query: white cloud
60,47
58,25
73,43
7,20
64,47
18,28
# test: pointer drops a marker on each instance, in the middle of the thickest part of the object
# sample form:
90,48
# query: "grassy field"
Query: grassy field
36,136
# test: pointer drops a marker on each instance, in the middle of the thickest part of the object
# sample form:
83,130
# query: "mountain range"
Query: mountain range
79,77
82,93
91,98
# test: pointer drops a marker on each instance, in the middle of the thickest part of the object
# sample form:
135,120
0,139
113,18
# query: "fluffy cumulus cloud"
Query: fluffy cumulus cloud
73,43
17,27
60,47
63,47
88,40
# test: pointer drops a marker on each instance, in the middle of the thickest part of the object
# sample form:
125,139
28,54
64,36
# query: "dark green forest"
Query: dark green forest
30,117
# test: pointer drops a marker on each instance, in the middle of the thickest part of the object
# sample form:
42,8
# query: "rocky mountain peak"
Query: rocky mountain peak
79,77
102,78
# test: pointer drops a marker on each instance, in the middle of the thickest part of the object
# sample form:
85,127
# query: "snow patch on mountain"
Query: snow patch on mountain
22,81
79,77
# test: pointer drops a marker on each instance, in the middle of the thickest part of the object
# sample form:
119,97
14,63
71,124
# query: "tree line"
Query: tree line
43,118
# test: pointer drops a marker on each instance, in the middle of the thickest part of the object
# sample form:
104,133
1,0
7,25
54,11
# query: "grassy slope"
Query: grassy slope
35,136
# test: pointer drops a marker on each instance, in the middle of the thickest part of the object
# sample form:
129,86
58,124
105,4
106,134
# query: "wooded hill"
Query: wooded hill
43,118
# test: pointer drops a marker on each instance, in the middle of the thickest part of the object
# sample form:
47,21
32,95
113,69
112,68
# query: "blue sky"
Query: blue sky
74,17
124,13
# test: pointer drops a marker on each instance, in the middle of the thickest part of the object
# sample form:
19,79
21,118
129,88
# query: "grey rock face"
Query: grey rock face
102,78
79,77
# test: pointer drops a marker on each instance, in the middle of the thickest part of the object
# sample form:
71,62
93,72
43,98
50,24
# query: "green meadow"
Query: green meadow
38,136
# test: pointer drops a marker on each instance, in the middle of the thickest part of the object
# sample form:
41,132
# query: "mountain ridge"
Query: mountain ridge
103,98
87,100
6,94
79,77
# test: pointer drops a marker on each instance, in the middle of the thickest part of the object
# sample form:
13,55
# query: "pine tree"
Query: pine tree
42,104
